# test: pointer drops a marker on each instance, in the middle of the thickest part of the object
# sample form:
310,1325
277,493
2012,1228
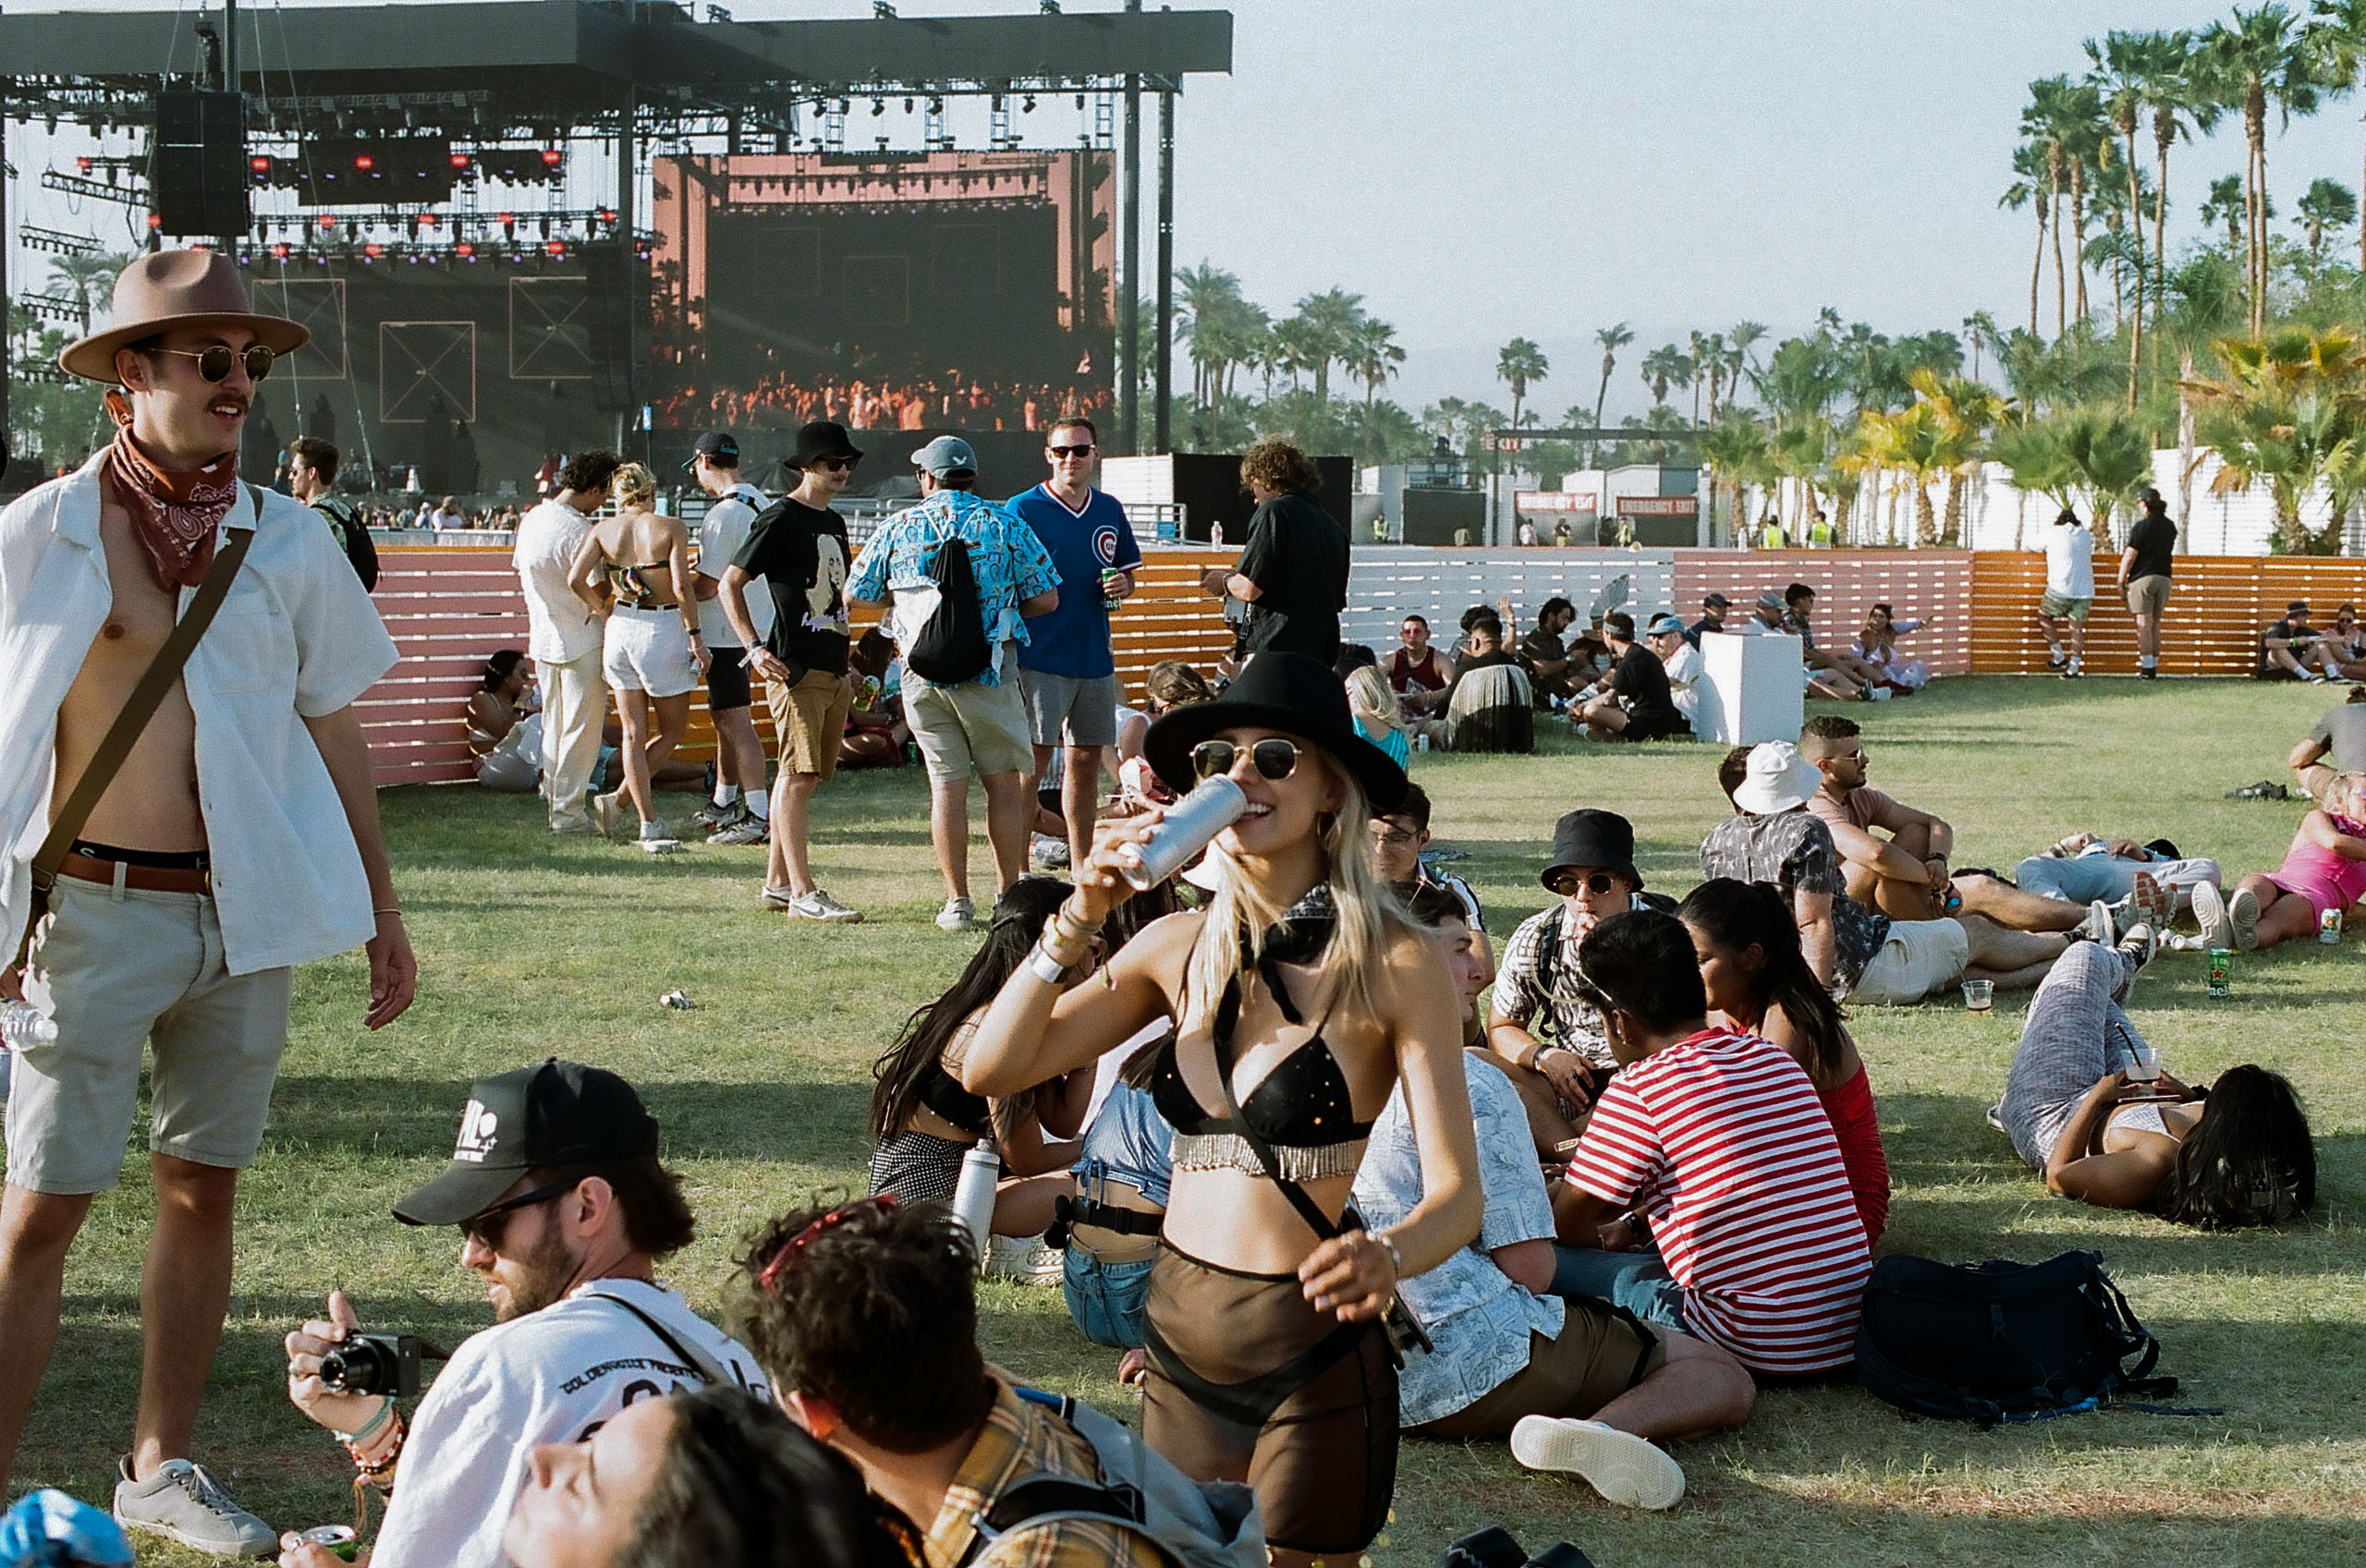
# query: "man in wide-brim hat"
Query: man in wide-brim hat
237,838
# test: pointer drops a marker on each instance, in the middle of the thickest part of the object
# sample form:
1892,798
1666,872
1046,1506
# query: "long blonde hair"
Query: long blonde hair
1369,695
633,486
1351,960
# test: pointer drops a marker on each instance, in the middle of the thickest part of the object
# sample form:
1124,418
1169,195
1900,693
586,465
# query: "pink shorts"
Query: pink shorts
2324,892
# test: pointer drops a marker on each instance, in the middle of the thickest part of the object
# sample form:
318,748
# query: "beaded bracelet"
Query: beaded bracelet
381,1472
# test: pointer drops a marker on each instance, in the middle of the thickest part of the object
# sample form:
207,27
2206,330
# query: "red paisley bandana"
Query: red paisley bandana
175,514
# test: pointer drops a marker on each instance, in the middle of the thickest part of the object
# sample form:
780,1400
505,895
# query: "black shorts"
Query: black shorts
727,680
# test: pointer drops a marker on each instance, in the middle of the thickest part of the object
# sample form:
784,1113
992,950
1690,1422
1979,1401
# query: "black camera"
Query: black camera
386,1363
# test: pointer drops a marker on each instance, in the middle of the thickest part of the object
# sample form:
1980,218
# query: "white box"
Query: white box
1750,688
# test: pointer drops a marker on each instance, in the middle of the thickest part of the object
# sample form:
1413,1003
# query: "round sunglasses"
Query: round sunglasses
1567,883
1273,758
214,362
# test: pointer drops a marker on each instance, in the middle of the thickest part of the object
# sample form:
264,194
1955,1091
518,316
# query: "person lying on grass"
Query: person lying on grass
2081,1110
2324,869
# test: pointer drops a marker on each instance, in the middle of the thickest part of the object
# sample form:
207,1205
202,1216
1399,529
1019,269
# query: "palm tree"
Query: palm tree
2129,68
86,277
2329,204
2028,161
1980,329
2290,412
2067,120
1611,338
1374,356
1734,451
2340,30
2266,54
1217,318
1331,321
1520,362
2181,94
2227,203
1662,368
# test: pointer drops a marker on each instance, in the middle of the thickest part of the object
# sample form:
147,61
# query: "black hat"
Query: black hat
1718,599
1592,838
715,443
823,438
559,1114
1288,692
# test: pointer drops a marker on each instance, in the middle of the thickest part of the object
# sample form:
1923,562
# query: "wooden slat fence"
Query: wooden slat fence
2215,613
1917,584
1386,583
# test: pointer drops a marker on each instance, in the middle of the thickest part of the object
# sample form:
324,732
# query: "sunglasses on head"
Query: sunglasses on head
475,1227
1600,884
1273,758
214,363
1084,451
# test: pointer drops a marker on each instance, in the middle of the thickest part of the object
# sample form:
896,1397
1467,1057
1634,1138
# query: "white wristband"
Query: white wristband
1044,967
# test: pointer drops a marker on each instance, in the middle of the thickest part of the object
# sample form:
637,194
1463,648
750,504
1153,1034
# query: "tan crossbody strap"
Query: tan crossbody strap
138,709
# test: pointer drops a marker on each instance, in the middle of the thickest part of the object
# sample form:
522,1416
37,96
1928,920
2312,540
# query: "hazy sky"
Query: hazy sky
1535,167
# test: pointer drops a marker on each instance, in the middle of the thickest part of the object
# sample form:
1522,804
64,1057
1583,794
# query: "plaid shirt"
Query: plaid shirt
1557,1018
1022,1440
1010,562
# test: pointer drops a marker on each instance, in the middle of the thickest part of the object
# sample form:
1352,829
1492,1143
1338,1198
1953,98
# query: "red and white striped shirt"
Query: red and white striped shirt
1722,1138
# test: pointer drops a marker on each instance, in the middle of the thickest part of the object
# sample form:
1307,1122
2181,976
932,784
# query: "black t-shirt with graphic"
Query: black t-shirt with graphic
801,554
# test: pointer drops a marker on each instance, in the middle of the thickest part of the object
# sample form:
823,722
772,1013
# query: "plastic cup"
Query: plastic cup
2146,1068
1979,996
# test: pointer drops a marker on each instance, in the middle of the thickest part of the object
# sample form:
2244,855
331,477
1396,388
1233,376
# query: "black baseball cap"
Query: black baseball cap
1715,600
557,1113
719,443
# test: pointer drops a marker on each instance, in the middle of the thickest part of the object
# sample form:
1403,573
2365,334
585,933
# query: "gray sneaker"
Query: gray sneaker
749,829
820,906
183,1502
958,915
2098,927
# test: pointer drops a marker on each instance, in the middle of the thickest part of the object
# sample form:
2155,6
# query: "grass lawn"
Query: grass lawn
531,947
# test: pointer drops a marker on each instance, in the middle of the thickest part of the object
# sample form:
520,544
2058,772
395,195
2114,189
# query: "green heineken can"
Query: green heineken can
2222,971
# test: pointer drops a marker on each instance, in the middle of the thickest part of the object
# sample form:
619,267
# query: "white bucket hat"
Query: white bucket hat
1779,779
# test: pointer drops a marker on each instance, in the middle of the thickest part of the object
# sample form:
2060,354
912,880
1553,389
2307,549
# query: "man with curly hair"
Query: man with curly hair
1293,573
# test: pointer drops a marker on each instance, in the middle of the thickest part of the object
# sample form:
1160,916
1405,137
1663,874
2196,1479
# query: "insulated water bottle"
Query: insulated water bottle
973,1196
1189,826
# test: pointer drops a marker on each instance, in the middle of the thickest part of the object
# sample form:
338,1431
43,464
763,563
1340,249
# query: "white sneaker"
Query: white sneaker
2242,913
656,838
2209,908
2098,927
1621,1466
183,1502
608,811
1024,1260
820,906
777,898
958,915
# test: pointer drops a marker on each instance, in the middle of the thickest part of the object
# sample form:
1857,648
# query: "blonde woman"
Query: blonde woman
630,569
1299,999
1377,720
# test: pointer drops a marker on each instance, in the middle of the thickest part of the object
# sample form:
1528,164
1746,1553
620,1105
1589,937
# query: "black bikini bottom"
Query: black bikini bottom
1248,1381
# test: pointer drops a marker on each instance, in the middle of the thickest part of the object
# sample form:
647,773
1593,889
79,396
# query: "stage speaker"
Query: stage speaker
615,289
202,181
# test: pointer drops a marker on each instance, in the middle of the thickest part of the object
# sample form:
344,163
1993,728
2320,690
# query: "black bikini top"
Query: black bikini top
1303,1103
943,1094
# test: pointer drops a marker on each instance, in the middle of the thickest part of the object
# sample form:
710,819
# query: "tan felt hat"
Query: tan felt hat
175,288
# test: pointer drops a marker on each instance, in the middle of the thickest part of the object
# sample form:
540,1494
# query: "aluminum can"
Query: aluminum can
1189,826
2329,928
2222,971
338,1539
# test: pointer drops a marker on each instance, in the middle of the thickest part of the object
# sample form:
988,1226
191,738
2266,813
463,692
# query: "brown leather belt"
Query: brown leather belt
147,878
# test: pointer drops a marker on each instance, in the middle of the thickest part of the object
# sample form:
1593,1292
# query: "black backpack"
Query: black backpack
2002,1341
952,646
346,527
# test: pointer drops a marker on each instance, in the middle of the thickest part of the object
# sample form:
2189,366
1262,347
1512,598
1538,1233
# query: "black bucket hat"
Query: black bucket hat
557,1113
1290,692
1592,838
823,438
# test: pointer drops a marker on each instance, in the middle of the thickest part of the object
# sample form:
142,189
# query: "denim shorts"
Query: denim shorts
1106,1299
1636,1281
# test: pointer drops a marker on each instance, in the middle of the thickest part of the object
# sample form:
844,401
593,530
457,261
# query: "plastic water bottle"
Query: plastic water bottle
23,1026
973,1196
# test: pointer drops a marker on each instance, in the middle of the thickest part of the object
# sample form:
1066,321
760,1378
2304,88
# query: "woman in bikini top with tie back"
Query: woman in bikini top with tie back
631,569
1299,999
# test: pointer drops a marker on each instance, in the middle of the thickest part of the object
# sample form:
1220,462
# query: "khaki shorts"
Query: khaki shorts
1919,957
810,719
1591,1364
2148,596
972,727
118,972
2054,606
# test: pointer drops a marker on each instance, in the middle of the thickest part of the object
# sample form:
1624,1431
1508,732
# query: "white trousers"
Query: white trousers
575,705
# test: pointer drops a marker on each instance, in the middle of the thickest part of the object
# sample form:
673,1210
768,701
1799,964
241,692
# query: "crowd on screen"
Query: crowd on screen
780,400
